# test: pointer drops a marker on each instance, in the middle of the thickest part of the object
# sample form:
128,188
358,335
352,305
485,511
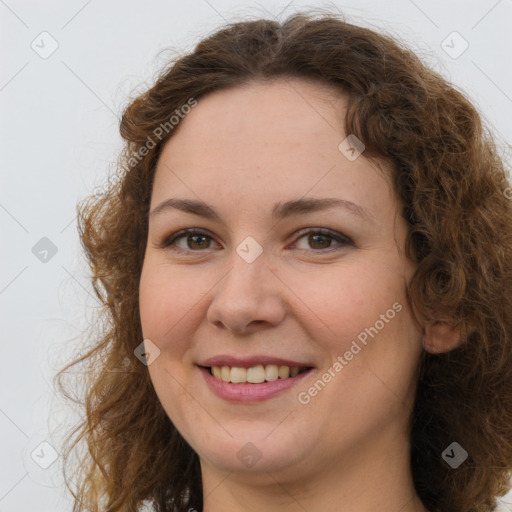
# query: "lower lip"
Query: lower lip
243,393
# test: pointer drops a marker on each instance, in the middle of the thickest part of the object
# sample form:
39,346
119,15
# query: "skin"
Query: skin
242,150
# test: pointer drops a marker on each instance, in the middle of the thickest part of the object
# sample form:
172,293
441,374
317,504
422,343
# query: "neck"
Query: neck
365,479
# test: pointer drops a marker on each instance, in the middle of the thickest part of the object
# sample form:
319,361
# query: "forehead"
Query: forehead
273,137
260,110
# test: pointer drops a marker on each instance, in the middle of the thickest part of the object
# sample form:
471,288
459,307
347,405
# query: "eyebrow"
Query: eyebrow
279,211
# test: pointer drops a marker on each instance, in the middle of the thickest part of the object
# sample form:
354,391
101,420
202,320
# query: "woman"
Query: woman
307,284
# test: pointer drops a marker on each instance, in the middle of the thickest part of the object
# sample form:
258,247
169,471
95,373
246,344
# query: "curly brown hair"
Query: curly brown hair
450,178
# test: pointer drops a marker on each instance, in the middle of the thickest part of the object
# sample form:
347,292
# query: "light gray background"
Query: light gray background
59,133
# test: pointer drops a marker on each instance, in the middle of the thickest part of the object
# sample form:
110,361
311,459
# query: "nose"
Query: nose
249,297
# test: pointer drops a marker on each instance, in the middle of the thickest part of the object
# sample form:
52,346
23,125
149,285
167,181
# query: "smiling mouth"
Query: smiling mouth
255,374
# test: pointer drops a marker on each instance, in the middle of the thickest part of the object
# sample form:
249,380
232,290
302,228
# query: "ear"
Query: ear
441,337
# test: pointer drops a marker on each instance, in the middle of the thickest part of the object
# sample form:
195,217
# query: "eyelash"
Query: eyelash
342,239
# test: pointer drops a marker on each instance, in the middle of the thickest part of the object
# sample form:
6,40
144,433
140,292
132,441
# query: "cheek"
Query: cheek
342,302
166,302
159,306
362,317
170,302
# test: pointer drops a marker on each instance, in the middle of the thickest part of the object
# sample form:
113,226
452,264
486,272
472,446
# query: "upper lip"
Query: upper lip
248,362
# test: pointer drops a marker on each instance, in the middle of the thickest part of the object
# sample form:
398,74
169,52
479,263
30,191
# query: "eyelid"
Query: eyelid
339,237
181,233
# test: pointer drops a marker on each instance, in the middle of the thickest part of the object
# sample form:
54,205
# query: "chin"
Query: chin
253,452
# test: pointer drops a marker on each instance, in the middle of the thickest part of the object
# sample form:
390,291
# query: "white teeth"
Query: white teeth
238,374
284,372
225,373
255,374
271,372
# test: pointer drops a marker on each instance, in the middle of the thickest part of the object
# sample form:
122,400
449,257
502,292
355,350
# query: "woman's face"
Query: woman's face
296,261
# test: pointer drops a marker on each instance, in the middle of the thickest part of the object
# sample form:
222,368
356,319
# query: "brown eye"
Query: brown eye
319,241
197,241
322,239
188,240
